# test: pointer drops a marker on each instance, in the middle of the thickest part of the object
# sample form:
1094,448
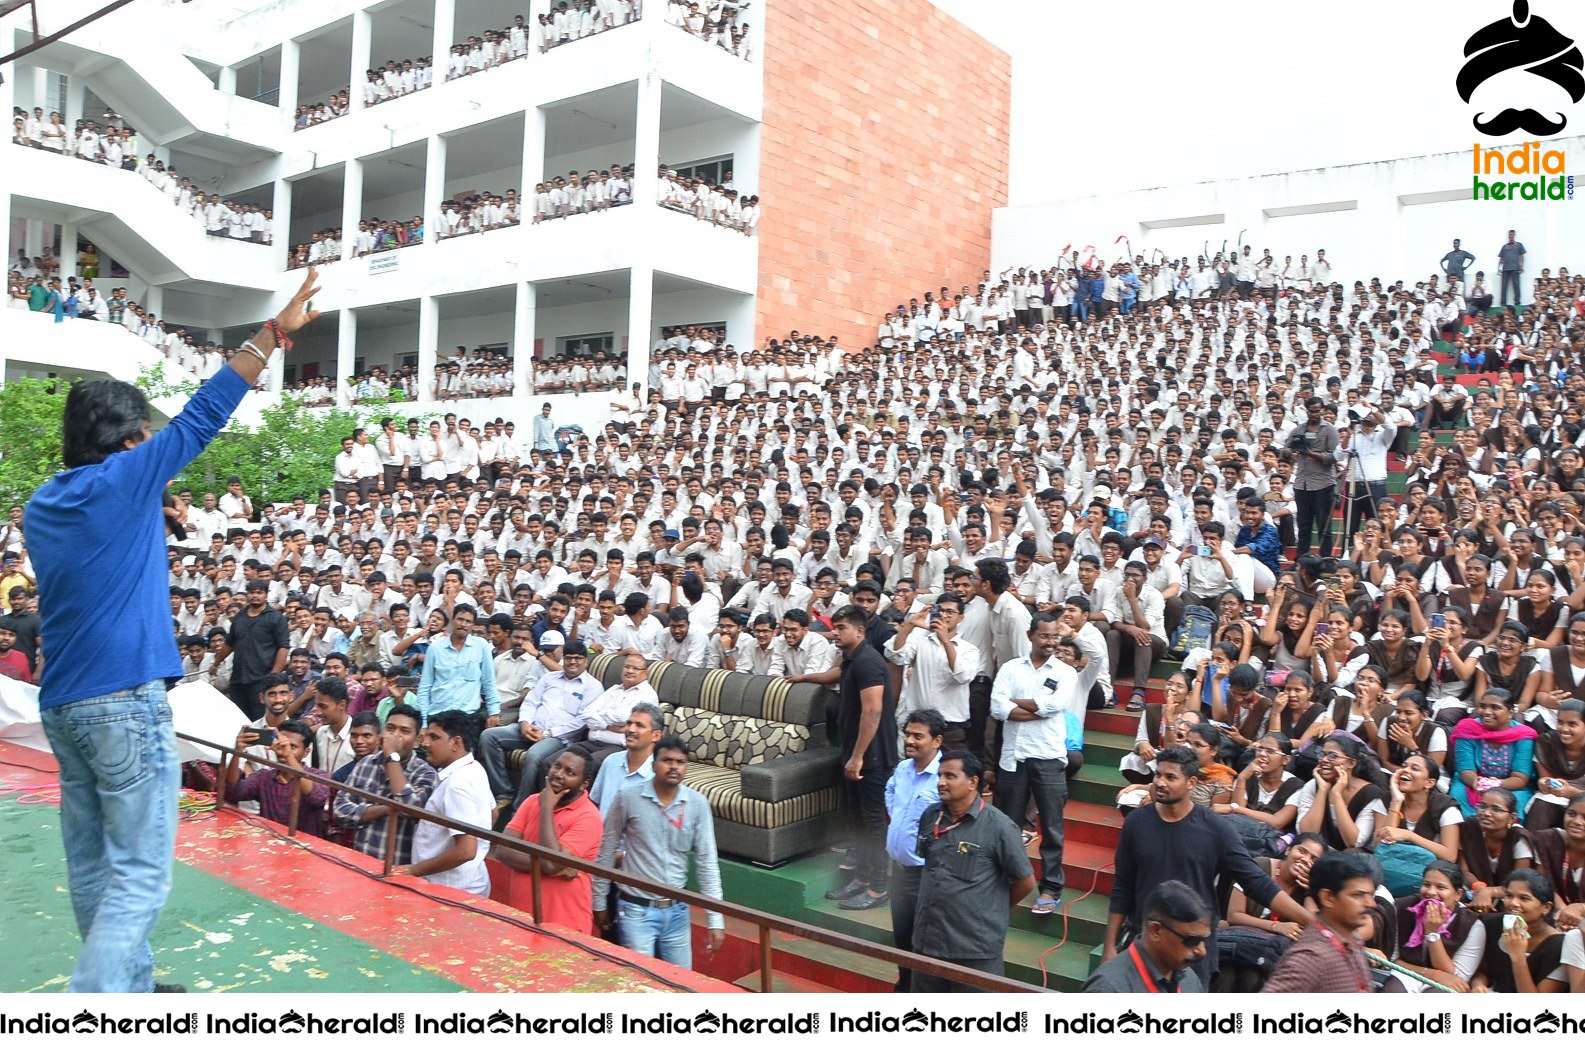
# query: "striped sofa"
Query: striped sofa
758,753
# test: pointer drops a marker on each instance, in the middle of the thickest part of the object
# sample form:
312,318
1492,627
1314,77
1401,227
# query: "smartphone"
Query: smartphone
1203,551
1438,621
1322,630
266,737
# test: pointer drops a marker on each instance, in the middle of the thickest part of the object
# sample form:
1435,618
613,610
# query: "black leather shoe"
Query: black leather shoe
864,901
845,892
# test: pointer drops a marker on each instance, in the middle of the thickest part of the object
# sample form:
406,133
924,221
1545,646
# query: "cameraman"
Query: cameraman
1314,476
1362,454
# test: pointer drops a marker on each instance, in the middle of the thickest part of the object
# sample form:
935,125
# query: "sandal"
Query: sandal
1030,836
1045,904
1137,701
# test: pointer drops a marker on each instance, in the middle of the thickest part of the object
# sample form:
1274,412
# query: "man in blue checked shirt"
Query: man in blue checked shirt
459,671
912,789
1258,538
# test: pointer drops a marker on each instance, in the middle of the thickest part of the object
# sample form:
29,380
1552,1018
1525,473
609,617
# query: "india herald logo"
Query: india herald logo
1531,43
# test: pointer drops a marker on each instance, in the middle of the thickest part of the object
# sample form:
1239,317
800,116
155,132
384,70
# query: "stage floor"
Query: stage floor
252,911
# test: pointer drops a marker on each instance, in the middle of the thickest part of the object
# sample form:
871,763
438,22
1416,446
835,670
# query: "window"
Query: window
55,94
713,170
585,345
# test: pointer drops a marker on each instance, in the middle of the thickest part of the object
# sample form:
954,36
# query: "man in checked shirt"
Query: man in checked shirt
393,772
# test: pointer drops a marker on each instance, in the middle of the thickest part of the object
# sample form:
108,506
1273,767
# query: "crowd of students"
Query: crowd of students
719,23
716,203
1064,493
567,21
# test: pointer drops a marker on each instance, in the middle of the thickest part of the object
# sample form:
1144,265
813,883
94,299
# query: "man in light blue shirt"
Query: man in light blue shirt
912,789
637,763
458,672
544,430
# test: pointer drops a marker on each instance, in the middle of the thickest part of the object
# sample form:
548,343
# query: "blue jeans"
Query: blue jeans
661,933
119,778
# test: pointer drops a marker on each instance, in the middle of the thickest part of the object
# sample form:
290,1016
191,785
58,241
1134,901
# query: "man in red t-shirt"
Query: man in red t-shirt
561,818
14,665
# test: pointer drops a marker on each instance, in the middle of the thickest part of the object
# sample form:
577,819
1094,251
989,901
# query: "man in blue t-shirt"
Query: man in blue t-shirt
98,528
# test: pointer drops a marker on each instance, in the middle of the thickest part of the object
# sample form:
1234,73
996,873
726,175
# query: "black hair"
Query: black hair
406,711
333,688
972,766
1535,880
1172,901
1179,756
672,742
848,614
930,718
100,416
994,572
301,728
1335,869
457,724
1453,872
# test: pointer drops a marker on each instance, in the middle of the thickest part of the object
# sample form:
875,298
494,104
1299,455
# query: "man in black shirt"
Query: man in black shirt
1175,840
866,717
259,644
25,622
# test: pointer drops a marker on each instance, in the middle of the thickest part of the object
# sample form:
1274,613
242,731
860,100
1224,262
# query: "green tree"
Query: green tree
30,436
291,452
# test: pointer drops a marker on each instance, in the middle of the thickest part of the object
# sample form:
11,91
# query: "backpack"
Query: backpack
1197,631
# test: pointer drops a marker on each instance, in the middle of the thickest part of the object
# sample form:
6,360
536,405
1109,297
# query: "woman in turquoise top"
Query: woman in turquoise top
1492,750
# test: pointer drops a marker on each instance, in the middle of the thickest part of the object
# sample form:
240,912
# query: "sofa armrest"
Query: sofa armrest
789,776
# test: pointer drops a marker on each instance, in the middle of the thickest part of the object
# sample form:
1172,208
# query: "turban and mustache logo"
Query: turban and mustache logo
1526,42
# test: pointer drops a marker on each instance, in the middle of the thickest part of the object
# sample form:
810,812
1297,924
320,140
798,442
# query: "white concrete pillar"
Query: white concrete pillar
346,353
281,217
41,90
32,236
444,34
357,70
523,325
428,337
291,62
533,154
351,206
646,141
76,89
68,254
228,80
154,300
7,100
434,184
641,295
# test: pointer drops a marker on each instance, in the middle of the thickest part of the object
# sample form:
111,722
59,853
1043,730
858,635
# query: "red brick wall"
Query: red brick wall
883,151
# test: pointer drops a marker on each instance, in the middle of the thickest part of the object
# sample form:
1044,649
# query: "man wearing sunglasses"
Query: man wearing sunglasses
1177,926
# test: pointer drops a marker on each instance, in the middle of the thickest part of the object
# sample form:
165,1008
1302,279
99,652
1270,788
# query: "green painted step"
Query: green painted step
1086,917
212,936
1067,966
1108,748
1097,783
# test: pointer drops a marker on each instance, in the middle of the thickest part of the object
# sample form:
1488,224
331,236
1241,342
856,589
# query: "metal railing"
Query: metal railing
764,922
